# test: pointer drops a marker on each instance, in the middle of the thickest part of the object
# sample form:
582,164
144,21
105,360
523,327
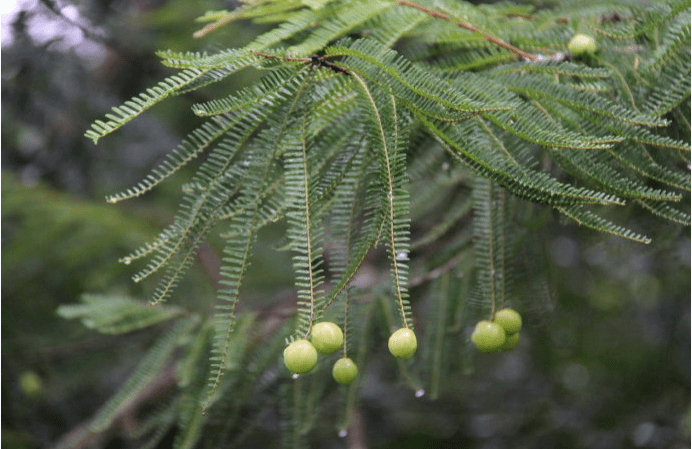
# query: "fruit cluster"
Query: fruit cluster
500,334
300,356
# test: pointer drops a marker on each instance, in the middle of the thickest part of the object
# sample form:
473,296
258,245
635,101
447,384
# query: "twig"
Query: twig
468,26
437,272
283,58
90,34
82,436
228,18
315,60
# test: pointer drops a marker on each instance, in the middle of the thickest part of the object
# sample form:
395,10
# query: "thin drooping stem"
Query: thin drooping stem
396,270
308,226
468,26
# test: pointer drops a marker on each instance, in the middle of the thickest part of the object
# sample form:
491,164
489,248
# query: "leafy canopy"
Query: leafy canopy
370,114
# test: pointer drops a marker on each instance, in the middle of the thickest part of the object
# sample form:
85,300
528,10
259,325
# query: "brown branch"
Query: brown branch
82,437
468,26
437,272
228,18
283,58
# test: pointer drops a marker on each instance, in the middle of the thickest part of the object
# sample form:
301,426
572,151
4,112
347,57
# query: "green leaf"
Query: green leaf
117,314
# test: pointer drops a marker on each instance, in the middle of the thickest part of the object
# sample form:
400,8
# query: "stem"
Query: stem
346,301
468,26
491,249
283,58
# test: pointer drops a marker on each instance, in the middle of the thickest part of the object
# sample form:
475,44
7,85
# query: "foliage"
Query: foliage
432,138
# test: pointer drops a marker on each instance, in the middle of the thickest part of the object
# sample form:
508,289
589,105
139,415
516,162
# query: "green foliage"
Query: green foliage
340,142
114,315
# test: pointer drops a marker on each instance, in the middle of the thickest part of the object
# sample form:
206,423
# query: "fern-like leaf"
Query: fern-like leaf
585,217
135,106
146,371
117,314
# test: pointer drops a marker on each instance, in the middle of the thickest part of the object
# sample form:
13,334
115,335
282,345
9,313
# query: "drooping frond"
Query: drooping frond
673,89
236,261
304,228
582,102
673,45
490,243
357,220
199,213
665,210
585,217
151,366
117,314
240,238
343,21
394,23
386,136
596,167
135,106
636,158
275,86
532,185
645,20
232,59
409,83
529,124
195,143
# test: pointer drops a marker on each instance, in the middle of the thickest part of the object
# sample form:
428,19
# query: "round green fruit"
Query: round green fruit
510,342
488,336
509,319
30,383
344,371
403,343
300,356
581,44
326,337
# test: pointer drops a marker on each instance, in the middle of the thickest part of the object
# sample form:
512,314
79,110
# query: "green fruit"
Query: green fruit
510,342
300,356
509,319
581,44
326,337
30,383
488,336
344,371
403,343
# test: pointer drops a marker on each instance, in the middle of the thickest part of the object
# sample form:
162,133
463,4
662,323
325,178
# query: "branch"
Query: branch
468,26
82,437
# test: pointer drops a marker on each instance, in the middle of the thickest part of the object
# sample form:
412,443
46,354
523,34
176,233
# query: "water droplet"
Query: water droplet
402,255
127,261
165,238
343,433
420,393
295,376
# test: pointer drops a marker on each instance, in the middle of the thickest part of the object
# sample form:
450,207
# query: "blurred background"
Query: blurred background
605,365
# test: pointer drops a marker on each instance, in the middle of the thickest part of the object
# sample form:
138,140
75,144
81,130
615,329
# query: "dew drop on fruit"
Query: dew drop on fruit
295,375
420,393
343,433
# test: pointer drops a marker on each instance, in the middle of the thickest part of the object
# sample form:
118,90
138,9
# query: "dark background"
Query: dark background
605,365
